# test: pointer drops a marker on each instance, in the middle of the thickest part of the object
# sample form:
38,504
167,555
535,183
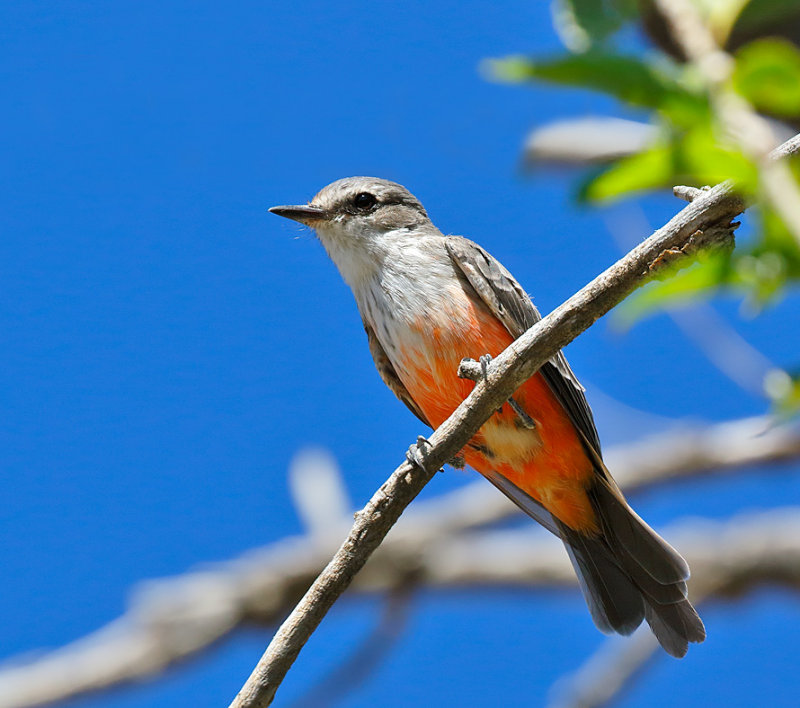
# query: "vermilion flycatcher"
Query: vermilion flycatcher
428,301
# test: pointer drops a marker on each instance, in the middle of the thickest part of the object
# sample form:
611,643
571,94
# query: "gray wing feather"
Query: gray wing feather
525,502
509,302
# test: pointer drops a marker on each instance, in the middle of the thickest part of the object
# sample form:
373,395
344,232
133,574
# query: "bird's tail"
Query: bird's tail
628,573
626,570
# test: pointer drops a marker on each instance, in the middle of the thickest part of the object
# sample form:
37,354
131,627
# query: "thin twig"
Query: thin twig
786,149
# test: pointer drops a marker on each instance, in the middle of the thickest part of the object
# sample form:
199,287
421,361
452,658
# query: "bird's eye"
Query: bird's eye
364,200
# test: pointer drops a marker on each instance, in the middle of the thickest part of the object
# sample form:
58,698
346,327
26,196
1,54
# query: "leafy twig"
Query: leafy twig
751,131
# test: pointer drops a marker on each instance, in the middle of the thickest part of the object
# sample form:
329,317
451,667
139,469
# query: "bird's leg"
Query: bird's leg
416,457
475,370
468,370
525,419
485,360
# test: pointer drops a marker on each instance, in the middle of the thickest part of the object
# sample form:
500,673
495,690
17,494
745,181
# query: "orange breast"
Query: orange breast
548,463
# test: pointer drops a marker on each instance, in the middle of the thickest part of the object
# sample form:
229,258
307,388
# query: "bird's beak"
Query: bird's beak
305,214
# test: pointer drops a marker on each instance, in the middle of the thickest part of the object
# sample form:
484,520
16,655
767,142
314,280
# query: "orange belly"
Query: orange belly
548,463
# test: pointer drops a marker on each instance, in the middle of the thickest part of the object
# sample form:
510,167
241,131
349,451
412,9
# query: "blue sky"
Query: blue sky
168,345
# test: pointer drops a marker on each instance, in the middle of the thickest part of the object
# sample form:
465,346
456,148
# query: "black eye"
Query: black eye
364,200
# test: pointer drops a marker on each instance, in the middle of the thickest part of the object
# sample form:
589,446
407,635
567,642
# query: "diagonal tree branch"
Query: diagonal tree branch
506,373
712,210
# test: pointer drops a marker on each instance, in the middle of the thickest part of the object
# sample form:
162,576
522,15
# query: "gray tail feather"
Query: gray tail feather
628,572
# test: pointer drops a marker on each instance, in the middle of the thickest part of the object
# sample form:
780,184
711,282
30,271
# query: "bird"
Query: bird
428,301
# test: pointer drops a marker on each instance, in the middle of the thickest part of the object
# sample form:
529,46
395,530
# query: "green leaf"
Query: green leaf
650,169
628,78
767,74
693,158
679,284
582,24
701,159
783,389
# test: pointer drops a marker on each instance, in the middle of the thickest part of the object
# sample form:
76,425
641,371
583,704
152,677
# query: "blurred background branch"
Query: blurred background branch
749,130
441,543
728,559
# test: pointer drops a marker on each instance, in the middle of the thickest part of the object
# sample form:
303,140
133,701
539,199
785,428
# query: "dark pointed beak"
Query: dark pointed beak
305,214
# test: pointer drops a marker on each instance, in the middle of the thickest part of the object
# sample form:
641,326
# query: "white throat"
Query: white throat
396,276
361,253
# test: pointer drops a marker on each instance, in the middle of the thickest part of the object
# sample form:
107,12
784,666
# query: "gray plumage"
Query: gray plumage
399,265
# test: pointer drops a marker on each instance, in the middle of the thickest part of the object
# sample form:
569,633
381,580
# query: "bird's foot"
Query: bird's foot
477,371
485,360
415,454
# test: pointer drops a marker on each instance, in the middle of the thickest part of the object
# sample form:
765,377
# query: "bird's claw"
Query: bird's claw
414,455
485,360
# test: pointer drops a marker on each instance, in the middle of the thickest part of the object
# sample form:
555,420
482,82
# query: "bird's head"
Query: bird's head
356,210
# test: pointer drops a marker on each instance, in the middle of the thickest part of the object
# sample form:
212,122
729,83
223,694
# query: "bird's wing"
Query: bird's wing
389,375
628,572
510,304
